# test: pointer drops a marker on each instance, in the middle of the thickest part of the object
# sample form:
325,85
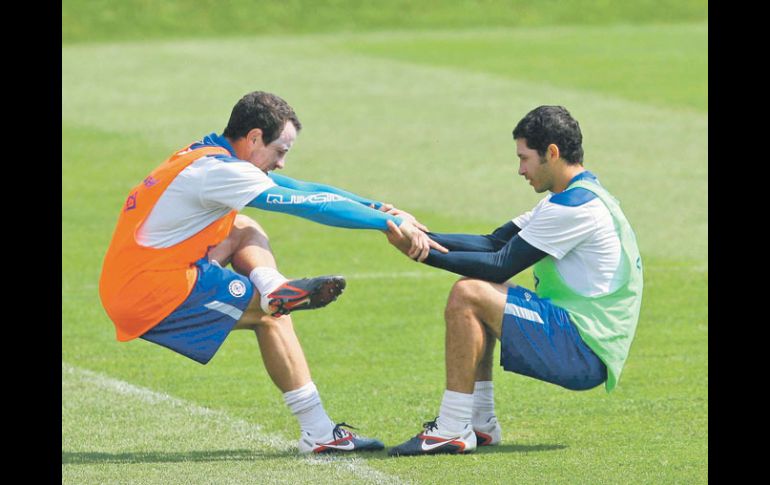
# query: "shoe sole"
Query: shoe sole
438,452
323,292
354,450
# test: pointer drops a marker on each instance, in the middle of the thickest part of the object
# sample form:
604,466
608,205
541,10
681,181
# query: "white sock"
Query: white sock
266,280
305,404
455,413
483,403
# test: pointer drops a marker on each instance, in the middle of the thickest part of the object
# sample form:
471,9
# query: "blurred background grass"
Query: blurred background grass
100,20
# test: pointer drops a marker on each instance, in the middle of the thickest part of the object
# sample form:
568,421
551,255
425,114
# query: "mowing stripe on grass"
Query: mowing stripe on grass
354,467
102,95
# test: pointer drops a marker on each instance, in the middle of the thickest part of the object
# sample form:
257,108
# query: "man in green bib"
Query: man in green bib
575,329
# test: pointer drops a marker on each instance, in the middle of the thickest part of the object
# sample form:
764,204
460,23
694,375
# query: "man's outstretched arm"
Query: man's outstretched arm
336,210
305,186
469,242
323,207
515,256
290,183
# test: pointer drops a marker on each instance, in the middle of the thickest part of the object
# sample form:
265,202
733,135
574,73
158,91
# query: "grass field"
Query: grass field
422,119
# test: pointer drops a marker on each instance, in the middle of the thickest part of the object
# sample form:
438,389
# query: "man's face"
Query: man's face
273,155
533,167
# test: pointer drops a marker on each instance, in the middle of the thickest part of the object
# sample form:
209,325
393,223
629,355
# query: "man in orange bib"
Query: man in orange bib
165,277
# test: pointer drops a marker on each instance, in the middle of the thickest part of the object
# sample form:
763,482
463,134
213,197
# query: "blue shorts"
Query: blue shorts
539,340
197,328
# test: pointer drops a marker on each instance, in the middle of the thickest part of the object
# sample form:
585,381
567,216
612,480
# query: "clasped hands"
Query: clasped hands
410,237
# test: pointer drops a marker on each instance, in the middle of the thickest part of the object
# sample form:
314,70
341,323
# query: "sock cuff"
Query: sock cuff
264,271
458,397
455,413
302,399
483,386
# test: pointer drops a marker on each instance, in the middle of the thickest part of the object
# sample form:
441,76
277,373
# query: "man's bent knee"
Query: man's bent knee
462,298
483,300
465,292
243,223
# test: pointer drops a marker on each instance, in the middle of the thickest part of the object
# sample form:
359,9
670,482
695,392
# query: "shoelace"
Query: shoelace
338,432
430,425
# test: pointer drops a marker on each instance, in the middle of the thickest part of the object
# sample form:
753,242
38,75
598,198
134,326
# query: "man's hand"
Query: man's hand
411,241
389,209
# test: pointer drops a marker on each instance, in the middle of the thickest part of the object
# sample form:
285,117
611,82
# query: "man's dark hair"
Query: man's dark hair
260,110
552,124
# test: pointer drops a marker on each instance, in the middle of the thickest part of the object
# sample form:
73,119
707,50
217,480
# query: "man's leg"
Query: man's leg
538,340
473,316
285,362
484,420
484,369
280,348
248,248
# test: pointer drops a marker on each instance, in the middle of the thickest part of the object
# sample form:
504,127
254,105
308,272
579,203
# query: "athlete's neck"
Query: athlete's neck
568,172
240,147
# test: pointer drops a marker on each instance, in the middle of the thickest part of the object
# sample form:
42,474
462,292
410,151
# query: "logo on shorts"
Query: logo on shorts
527,296
237,288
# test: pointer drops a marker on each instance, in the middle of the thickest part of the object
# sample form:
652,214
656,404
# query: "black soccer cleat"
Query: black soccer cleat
432,442
305,294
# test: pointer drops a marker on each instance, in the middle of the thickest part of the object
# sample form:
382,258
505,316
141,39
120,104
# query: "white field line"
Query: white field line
349,464
437,273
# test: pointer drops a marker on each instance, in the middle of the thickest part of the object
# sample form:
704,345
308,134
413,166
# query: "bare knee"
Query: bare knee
473,300
465,293
463,298
248,227
247,233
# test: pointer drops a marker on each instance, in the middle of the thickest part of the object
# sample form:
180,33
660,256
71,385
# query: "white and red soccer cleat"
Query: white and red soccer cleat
340,440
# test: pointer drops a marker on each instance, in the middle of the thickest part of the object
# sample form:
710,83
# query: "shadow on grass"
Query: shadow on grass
383,455
519,448
94,457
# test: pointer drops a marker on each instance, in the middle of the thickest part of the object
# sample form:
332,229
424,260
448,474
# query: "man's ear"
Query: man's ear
255,136
552,152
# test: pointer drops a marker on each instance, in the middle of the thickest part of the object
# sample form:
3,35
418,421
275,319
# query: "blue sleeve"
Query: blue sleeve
470,242
515,256
291,183
323,207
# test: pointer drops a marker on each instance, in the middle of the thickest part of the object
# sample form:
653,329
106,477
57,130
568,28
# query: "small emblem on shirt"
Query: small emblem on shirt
150,181
130,202
527,296
237,288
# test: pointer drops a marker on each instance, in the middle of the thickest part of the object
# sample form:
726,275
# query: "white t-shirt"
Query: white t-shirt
204,191
581,238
